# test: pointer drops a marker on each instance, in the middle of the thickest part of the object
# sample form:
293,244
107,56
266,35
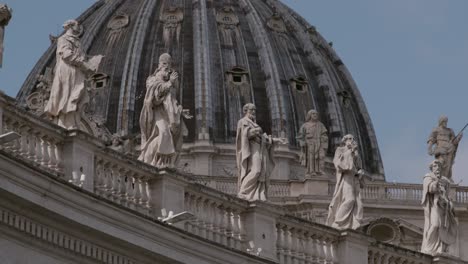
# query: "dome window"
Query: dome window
300,84
238,80
99,81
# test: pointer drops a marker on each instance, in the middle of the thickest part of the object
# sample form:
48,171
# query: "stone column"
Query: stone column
5,16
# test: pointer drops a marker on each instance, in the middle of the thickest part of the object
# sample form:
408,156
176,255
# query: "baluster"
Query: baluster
123,184
293,244
59,156
328,251
215,222
99,179
147,196
288,248
114,187
308,247
138,195
236,229
223,225
38,148
45,151
131,190
205,216
300,248
279,242
228,226
53,165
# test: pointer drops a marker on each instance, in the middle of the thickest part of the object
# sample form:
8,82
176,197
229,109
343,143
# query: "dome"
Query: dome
228,53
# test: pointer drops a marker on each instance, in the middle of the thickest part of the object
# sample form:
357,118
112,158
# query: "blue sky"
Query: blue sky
408,57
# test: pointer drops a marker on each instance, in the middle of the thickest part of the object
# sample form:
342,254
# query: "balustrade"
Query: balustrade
40,145
215,220
380,253
119,183
299,243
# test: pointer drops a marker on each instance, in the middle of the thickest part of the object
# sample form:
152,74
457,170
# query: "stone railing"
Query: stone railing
299,242
122,183
380,253
400,191
40,143
263,229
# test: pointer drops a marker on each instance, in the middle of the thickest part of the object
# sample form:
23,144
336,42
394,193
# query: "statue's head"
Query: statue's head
312,115
165,61
348,141
443,120
249,111
73,26
436,166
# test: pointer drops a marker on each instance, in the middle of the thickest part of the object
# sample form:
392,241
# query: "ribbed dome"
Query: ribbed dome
228,52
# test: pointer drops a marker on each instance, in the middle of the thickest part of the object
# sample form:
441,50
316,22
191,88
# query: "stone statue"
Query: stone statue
346,208
161,124
5,16
440,225
446,144
68,94
254,153
313,140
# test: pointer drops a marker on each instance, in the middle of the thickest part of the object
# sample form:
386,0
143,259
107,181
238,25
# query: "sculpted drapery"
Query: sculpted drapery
162,128
440,225
68,93
346,208
313,139
254,153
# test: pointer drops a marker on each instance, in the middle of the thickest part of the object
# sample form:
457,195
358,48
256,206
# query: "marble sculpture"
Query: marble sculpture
254,153
346,209
313,139
161,124
68,93
440,225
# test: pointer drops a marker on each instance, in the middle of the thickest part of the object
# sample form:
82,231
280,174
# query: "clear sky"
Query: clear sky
408,57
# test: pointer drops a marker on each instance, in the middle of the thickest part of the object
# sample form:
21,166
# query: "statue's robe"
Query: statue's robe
255,162
346,210
68,91
313,139
161,127
440,225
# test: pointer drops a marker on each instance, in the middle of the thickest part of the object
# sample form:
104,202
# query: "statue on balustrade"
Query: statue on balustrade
313,139
440,225
5,16
443,144
161,124
346,210
254,153
68,93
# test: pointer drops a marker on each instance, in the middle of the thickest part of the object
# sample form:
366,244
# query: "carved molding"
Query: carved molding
277,24
227,18
60,240
118,22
